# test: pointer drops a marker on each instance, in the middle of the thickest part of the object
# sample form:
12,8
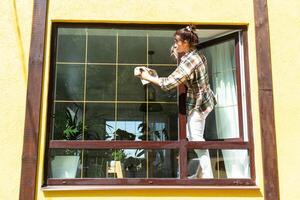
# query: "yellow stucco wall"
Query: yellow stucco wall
285,41
15,23
156,11
15,31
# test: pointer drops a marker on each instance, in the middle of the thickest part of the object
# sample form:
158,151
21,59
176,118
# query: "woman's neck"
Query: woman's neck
189,50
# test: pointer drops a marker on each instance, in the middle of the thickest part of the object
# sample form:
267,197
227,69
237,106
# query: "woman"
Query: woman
191,71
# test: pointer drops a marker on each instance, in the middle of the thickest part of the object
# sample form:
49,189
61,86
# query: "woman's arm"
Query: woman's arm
177,77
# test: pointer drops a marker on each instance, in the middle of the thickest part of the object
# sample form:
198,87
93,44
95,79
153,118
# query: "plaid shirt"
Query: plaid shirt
192,71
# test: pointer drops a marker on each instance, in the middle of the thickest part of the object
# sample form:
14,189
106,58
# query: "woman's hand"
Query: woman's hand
141,72
138,71
146,74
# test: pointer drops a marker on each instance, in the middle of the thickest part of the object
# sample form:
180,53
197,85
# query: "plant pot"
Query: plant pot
64,166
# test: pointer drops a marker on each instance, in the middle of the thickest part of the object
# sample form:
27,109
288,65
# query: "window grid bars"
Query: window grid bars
84,98
125,102
120,64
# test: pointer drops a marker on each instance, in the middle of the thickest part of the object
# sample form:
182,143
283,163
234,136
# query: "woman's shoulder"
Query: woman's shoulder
201,55
196,57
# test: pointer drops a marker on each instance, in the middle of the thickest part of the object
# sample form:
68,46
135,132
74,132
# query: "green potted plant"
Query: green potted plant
116,164
66,165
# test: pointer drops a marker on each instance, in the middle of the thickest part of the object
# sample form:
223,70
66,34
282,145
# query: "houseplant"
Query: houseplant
66,165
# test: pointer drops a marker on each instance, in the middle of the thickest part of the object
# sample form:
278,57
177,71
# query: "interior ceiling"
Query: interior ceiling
209,34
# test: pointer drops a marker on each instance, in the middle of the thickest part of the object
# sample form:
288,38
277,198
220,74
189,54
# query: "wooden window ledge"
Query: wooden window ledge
137,187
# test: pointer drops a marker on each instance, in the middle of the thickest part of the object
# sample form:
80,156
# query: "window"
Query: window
105,127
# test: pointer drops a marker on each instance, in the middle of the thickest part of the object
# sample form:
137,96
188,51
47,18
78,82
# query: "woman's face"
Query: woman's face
181,46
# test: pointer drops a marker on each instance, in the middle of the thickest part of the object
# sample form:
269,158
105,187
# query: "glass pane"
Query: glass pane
129,120
210,131
130,88
237,163
163,123
69,82
97,116
162,163
102,46
101,83
218,164
130,163
226,126
226,87
227,122
159,47
71,45
68,123
65,163
95,163
223,123
160,95
132,46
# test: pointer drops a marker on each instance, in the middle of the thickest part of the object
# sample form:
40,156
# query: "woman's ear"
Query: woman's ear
186,43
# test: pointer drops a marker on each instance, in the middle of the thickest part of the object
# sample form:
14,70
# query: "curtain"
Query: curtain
222,69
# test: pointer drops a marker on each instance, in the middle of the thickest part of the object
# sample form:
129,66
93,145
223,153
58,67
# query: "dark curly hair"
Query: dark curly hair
189,34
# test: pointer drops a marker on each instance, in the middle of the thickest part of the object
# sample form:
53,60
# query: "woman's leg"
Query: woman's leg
195,131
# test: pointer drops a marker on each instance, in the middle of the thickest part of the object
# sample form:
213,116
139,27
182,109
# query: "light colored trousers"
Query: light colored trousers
195,131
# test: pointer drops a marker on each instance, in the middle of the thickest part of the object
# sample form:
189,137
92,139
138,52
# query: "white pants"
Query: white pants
195,131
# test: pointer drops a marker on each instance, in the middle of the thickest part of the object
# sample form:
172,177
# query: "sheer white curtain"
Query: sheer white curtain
221,60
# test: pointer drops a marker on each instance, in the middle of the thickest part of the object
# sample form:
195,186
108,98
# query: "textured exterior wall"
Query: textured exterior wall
15,31
147,12
284,22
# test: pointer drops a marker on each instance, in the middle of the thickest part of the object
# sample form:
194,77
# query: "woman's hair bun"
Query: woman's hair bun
191,27
189,34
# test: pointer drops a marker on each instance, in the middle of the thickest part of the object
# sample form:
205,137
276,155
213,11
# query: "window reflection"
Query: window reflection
129,87
100,83
92,69
96,117
225,163
71,45
69,82
68,121
130,163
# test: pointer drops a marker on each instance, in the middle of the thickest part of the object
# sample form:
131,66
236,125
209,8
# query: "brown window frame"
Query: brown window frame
182,144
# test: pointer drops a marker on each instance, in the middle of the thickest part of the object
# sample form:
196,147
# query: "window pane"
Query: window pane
95,163
71,45
68,123
130,163
227,122
97,117
69,82
135,122
163,124
129,120
101,83
65,163
160,42
130,87
224,123
132,46
162,163
218,164
160,95
101,46
237,163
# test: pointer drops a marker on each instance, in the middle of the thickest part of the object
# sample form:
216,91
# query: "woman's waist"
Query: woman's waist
198,91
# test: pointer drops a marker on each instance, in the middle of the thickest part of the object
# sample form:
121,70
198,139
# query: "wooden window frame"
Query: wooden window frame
34,90
181,144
